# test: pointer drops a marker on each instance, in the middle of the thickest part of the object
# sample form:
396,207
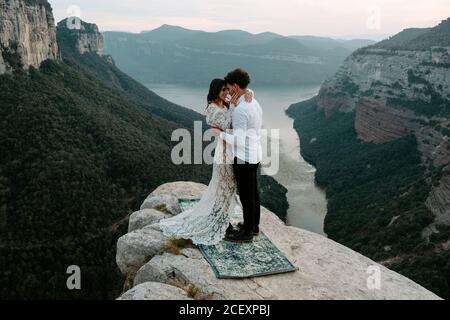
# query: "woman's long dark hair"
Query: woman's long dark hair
214,91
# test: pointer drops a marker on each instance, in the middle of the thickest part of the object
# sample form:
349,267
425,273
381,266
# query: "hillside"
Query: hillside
438,36
419,39
105,70
76,157
378,135
401,39
171,54
323,43
82,144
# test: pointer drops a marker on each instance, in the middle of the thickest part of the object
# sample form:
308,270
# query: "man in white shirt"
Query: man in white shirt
245,142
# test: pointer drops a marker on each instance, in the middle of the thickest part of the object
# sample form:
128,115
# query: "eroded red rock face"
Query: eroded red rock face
439,200
375,122
329,105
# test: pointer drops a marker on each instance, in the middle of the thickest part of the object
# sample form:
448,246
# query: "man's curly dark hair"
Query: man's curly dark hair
239,77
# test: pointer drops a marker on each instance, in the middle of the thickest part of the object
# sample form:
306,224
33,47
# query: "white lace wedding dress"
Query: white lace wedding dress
207,221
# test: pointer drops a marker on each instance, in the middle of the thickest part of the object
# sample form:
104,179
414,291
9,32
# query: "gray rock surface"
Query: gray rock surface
135,248
85,37
2,65
154,291
91,41
166,203
327,270
143,218
27,29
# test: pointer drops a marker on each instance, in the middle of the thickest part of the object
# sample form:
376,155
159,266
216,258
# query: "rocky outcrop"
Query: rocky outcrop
90,40
142,218
135,248
81,36
327,270
27,34
155,291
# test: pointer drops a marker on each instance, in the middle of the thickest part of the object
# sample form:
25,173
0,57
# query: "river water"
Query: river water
307,202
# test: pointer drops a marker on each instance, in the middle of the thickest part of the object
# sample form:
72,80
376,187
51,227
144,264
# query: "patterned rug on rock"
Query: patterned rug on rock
231,260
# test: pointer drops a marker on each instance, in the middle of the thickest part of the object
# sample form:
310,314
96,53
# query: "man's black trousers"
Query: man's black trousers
246,175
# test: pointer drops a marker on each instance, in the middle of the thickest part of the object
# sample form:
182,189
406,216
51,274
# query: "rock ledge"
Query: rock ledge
327,270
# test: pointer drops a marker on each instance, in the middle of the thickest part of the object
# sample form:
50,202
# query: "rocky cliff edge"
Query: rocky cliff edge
158,268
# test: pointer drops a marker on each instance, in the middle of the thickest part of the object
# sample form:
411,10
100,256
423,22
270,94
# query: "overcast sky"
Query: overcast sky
287,17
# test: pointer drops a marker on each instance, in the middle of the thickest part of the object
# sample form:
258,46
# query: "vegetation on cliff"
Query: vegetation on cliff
376,195
419,38
76,158
82,146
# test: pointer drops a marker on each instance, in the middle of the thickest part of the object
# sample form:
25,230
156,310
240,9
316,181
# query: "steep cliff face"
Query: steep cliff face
439,199
401,87
27,34
82,37
376,122
327,270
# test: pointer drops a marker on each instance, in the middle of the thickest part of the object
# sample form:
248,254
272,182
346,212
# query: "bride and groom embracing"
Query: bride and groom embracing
236,119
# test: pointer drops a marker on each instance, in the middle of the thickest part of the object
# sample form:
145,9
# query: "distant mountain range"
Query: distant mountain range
171,54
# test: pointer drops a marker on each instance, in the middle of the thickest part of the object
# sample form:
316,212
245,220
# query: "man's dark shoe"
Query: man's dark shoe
255,232
231,230
240,236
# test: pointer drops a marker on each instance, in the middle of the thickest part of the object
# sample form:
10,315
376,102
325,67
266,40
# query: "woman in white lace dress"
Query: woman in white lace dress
206,223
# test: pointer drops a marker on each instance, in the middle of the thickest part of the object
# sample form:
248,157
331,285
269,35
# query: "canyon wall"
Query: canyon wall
27,34
395,93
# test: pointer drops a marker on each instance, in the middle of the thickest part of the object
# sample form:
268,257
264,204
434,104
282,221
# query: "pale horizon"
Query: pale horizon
325,18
